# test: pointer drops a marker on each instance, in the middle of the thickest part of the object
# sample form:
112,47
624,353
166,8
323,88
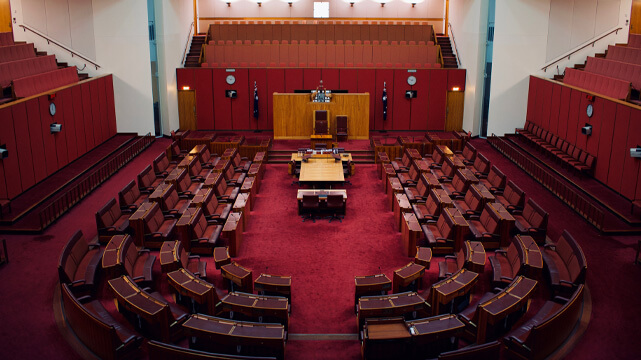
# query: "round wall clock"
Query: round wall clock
411,80
52,109
589,110
231,79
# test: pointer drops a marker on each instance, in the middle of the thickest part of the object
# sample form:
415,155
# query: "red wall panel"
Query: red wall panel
597,138
239,109
65,101
222,110
294,80
204,99
48,141
311,78
275,83
349,80
10,182
573,118
631,177
605,147
185,77
86,116
456,78
402,104
104,117
79,121
546,103
564,112
111,106
23,148
538,109
384,76
531,98
554,109
260,77
35,140
420,106
331,79
95,113
619,151
367,83
437,106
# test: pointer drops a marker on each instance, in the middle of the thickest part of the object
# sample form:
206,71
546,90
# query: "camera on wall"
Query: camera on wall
586,130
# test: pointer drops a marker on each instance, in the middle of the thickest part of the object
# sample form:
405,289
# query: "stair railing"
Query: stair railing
50,40
458,61
188,43
545,68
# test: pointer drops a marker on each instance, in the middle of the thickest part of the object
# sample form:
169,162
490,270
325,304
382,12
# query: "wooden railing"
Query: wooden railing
72,196
50,40
187,45
456,56
563,191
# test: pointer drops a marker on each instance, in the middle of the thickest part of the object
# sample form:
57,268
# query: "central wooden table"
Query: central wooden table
322,168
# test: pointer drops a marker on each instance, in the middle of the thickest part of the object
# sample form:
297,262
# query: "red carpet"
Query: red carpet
323,259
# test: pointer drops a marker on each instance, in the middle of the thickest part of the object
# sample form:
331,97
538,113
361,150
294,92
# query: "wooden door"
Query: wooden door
454,111
187,109
5,16
635,17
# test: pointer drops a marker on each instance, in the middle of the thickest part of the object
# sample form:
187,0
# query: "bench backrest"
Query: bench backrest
71,256
108,214
616,69
572,255
17,52
129,194
39,83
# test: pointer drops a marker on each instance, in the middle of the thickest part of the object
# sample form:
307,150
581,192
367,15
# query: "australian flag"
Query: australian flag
255,100
384,101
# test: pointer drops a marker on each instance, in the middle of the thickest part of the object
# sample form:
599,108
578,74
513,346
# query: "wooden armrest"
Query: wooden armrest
81,281
84,298
194,256
567,283
138,278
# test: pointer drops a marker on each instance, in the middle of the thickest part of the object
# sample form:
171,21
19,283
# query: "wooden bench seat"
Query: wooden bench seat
565,263
79,263
43,82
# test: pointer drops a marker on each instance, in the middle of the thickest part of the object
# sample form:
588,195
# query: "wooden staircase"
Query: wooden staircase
193,55
449,59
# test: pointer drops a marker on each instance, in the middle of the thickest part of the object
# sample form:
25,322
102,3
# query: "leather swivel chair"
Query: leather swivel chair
336,205
310,207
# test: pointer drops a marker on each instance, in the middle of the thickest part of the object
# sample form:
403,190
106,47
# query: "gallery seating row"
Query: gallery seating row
6,38
615,69
321,55
568,154
624,54
20,68
329,30
604,85
17,52
39,83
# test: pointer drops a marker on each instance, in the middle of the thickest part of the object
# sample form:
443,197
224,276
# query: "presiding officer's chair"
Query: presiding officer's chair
341,127
321,122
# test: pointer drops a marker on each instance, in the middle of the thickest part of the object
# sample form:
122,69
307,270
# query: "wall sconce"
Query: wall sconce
382,4
185,87
351,4
413,4
228,4
259,4
290,4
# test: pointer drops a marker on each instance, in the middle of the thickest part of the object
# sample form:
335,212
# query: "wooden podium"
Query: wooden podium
294,115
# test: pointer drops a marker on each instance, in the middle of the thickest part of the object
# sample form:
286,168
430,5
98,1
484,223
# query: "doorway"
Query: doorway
187,109
5,16
635,17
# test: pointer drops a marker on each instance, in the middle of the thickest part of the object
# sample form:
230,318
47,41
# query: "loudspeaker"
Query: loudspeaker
4,153
586,130
635,152
56,128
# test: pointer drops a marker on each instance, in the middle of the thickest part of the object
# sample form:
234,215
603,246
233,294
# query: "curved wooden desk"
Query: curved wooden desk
457,285
257,307
198,290
404,304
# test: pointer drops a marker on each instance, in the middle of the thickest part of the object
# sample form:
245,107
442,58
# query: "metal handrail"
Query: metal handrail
191,27
458,61
545,68
49,40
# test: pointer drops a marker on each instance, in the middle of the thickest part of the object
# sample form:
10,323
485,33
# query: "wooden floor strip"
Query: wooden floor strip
350,337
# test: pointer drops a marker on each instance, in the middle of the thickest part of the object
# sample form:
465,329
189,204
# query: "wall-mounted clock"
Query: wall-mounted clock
52,109
411,80
589,111
231,79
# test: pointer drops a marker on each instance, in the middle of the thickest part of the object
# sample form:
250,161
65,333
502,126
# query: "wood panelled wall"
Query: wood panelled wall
425,112
88,117
616,127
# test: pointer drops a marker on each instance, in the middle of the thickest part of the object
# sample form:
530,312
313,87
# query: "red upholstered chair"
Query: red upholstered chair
336,206
138,264
341,127
402,164
79,263
240,164
110,221
458,187
533,221
185,186
207,159
418,193
446,171
205,234
468,155
430,209
513,198
215,211
565,263
444,234
495,181
436,159
486,228
172,204
197,173
224,192
506,265
471,206
197,267
233,177
310,207
130,197
175,153
158,228
162,166
481,166
409,178
451,264
147,180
